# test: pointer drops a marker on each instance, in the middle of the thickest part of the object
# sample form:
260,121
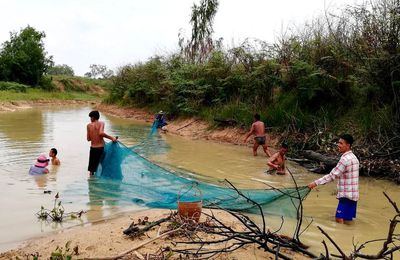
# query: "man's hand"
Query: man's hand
115,139
312,185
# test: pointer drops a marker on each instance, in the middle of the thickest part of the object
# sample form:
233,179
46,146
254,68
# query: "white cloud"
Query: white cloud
82,32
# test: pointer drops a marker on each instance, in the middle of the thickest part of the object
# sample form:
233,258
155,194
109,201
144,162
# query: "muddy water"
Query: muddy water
26,134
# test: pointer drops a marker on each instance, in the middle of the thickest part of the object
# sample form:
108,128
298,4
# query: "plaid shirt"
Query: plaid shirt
347,172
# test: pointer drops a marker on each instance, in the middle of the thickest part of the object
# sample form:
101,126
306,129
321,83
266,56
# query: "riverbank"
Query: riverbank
192,128
9,106
104,240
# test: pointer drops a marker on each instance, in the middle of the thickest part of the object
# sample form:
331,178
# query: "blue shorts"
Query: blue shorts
346,209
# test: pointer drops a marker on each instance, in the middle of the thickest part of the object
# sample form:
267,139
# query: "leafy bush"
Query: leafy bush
4,85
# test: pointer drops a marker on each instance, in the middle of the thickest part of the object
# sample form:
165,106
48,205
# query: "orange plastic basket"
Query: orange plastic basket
190,210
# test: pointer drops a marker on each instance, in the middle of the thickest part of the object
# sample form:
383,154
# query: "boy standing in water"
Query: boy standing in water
95,134
258,129
347,171
53,155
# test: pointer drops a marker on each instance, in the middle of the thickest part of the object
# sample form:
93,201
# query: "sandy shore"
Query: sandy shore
105,240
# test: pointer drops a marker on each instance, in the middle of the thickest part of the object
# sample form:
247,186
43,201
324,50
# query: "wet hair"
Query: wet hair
284,145
54,150
348,138
95,114
257,116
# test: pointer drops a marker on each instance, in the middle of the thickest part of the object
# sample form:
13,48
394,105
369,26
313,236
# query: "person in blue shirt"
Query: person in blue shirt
40,166
161,121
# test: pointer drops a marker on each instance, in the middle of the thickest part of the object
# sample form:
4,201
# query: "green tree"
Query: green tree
63,69
23,58
98,70
201,44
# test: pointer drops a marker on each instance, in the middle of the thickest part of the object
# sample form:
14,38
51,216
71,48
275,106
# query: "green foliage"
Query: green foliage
57,213
97,71
61,253
340,73
201,43
13,86
40,94
23,58
63,69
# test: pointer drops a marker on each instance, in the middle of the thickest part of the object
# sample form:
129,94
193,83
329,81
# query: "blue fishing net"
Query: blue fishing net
129,176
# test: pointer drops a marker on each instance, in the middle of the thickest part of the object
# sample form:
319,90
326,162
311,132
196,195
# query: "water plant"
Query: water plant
57,213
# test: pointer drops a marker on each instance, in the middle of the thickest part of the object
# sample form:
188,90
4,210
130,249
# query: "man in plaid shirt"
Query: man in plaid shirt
346,171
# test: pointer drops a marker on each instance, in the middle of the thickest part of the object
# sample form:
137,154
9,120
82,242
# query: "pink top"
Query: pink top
347,172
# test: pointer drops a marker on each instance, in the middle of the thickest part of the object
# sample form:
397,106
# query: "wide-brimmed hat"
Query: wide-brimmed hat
161,112
42,161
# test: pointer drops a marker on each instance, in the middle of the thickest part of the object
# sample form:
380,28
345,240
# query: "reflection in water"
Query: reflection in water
22,126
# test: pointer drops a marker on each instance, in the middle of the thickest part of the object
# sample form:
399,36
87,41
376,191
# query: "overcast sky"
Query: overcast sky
117,32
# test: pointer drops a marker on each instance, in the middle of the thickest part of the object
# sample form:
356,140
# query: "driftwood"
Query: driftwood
229,239
317,162
225,122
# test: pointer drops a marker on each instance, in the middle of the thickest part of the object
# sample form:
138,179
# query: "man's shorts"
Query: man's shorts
94,158
260,139
346,209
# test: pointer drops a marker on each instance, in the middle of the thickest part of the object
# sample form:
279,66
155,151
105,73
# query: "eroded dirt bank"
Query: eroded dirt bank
192,128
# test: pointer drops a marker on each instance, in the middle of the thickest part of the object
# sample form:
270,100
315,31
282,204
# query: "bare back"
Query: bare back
94,133
258,128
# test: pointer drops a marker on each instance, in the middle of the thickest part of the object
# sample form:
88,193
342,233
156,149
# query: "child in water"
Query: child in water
53,155
40,166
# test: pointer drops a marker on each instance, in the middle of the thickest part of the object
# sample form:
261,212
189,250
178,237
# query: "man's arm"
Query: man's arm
87,133
271,160
336,172
249,133
103,134
108,137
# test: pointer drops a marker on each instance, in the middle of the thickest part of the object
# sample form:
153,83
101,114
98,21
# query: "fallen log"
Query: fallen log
225,122
327,160
325,163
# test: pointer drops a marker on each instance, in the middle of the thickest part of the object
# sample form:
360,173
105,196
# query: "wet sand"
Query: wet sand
105,239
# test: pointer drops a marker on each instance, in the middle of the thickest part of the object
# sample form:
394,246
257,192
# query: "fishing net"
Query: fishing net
128,175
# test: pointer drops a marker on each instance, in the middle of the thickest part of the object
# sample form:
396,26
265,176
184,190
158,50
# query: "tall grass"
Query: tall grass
39,94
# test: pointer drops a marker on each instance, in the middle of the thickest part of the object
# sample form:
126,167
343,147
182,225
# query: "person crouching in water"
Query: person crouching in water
40,166
161,121
277,160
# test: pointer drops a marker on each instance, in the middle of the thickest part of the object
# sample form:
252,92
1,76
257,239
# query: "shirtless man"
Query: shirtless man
53,155
258,129
95,134
277,160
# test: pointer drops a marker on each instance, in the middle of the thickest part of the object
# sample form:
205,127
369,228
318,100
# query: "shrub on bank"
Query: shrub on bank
13,86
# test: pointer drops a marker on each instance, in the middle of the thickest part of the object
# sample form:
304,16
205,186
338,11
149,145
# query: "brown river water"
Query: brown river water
26,134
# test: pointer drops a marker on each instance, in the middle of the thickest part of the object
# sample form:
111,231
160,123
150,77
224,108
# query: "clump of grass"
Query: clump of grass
40,94
13,86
